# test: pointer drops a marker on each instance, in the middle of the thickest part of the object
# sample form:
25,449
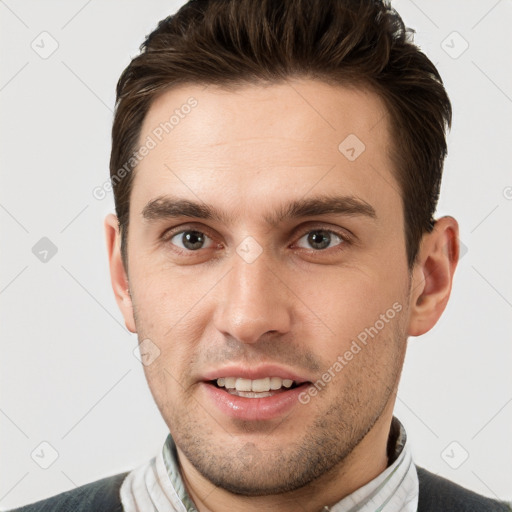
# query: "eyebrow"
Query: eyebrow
167,207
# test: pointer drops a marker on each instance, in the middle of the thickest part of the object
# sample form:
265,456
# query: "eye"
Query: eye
191,240
321,239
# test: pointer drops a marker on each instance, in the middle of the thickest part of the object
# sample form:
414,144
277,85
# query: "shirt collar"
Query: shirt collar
158,485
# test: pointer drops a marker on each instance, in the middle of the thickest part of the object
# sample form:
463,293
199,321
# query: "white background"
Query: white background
68,373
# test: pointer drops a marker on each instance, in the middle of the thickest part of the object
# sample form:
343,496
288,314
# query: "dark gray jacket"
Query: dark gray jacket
436,495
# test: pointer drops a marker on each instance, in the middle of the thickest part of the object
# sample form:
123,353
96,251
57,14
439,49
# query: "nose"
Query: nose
254,301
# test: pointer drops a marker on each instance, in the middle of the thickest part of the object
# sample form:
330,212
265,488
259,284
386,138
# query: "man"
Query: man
276,167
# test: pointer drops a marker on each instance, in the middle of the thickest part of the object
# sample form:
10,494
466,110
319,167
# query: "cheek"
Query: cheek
171,315
166,297
164,384
168,374
354,306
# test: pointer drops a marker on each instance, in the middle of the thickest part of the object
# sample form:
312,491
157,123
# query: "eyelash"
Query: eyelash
345,239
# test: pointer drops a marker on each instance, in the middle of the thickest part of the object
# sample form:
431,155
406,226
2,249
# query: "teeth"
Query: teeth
250,394
257,386
261,385
275,382
229,382
243,385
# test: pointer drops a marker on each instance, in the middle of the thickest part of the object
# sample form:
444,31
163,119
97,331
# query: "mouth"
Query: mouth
255,388
260,394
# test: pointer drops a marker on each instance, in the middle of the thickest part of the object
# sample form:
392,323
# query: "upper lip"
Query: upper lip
254,372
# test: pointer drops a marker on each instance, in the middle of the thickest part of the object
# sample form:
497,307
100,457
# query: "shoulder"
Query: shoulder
99,496
439,494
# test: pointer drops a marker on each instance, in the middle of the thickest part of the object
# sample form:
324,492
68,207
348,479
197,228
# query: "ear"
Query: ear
432,275
118,275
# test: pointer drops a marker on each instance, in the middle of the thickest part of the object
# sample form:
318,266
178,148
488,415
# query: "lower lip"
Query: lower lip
254,409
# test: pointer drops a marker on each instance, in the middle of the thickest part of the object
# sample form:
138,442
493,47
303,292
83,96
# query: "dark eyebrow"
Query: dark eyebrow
166,207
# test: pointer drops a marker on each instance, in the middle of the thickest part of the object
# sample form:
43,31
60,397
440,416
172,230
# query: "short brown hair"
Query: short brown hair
353,42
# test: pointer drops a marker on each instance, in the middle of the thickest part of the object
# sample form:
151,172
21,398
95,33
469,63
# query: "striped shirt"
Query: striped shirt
157,485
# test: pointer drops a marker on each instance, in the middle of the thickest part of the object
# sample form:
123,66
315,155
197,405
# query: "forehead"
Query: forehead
256,141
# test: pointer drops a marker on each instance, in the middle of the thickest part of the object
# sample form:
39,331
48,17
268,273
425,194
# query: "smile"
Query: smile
257,388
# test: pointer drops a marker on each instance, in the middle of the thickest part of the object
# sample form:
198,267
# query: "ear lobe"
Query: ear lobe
433,275
118,275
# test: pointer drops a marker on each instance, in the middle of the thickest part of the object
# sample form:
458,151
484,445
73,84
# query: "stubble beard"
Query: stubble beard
248,469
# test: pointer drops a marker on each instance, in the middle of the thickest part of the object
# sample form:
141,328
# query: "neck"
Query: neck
363,464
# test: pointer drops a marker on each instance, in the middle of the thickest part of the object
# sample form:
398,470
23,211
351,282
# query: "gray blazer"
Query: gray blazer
436,494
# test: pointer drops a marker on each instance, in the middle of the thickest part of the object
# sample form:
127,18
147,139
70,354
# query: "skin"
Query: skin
247,151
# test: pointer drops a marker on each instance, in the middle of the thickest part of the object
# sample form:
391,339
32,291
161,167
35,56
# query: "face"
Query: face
260,253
